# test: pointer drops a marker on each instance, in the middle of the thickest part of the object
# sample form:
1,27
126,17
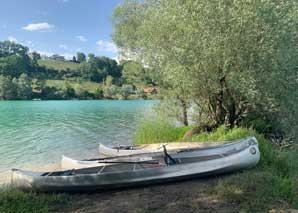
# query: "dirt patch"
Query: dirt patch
189,196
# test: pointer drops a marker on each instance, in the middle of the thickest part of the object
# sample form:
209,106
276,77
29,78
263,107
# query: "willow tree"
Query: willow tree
231,58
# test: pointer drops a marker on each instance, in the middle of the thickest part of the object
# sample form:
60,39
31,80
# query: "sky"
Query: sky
60,26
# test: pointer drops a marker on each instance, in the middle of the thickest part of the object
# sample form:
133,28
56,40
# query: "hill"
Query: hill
59,65
76,85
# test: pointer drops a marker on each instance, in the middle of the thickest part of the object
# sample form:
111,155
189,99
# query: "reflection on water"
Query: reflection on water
34,134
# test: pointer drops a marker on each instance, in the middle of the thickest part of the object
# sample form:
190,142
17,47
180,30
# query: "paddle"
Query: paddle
131,162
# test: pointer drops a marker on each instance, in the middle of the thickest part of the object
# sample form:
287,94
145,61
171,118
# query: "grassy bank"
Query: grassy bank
272,184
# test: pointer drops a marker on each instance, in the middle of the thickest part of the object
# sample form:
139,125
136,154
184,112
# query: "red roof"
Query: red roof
150,89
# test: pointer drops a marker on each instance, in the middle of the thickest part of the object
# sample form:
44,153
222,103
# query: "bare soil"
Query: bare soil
188,196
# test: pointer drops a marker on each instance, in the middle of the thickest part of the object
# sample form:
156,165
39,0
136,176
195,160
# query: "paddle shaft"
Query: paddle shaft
131,162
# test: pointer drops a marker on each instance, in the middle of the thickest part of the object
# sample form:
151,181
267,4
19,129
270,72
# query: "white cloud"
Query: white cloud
38,27
81,38
44,53
63,46
12,39
107,46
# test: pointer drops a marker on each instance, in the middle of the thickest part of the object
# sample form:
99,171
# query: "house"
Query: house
150,90
57,57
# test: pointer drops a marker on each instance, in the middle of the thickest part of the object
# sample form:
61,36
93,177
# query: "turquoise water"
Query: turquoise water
34,134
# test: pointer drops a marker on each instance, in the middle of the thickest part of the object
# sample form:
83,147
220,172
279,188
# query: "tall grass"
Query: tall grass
158,131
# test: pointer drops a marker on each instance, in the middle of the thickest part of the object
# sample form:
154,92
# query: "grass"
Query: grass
12,201
59,65
84,85
158,131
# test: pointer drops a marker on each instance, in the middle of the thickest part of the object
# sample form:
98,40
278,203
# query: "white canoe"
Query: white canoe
105,151
205,151
136,174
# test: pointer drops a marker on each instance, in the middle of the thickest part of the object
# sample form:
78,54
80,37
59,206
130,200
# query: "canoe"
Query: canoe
105,151
218,149
123,175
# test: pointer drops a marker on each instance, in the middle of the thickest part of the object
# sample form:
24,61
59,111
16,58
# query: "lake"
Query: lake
35,134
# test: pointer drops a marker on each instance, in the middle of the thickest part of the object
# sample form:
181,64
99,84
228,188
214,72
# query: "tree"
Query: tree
81,57
126,90
74,59
7,88
8,48
234,59
91,57
14,65
35,57
110,92
24,88
134,73
98,93
109,81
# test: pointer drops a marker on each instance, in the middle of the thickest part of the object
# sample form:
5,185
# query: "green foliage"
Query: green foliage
8,48
59,65
135,74
7,88
60,89
98,68
126,90
81,57
230,58
24,89
60,79
15,201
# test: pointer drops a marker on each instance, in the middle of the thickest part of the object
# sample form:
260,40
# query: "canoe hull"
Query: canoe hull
105,151
221,149
241,160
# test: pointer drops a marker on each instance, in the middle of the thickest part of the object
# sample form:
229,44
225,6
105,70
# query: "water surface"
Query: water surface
34,134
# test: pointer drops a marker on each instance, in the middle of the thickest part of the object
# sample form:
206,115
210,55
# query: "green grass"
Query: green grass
12,201
59,65
84,85
158,131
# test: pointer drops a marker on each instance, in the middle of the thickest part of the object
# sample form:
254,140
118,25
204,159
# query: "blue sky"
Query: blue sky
60,26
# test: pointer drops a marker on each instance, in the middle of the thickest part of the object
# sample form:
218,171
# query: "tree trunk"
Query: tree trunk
220,112
184,111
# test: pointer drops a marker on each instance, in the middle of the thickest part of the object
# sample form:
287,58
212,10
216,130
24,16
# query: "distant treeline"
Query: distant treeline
24,75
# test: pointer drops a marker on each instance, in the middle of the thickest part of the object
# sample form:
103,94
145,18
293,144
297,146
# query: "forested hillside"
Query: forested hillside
25,75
